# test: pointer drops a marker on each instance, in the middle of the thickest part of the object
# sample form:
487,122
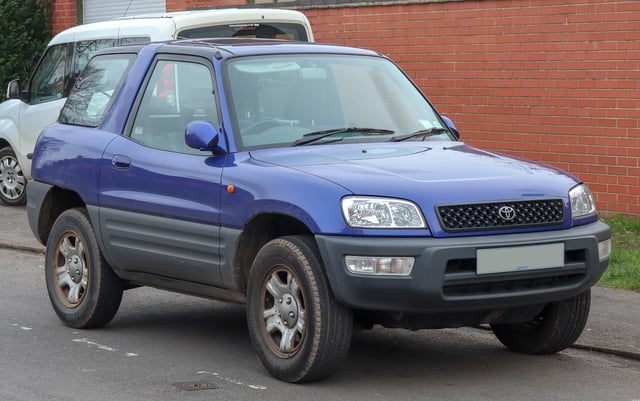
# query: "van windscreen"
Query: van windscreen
275,30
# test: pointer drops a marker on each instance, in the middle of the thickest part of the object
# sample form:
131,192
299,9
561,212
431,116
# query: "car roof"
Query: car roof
164,26
229,47
230,15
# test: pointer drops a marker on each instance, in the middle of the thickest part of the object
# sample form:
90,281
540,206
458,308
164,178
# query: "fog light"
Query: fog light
380,265
604,249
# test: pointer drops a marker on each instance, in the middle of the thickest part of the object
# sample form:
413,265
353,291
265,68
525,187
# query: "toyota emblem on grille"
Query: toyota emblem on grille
507,213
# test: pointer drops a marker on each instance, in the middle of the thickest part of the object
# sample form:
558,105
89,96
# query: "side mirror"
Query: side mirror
202,135
451,126
13,89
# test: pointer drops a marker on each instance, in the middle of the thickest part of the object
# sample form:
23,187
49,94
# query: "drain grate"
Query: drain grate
197,385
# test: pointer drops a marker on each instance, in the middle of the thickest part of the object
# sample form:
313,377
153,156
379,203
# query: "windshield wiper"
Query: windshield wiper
317,135
423,132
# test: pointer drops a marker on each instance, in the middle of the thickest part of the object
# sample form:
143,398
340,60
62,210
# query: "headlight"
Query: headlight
582,203
373,212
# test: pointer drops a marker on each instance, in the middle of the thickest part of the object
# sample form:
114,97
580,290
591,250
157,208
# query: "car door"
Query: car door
160,199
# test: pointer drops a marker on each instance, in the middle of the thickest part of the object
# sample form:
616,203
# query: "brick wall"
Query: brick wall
180,5
557,81
64,15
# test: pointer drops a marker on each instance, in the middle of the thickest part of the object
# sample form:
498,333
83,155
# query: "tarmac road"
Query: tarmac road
159,340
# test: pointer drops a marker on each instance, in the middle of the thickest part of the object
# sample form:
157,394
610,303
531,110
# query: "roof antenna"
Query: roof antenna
127,10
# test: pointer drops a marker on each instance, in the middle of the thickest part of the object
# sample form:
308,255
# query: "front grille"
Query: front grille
501,215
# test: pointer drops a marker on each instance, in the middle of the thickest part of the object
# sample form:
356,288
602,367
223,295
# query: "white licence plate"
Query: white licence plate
519,258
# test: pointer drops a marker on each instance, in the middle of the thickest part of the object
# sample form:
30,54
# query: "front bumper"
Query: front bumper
444,276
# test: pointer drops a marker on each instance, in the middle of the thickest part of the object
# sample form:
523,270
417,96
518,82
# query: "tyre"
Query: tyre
557,327
82,287
12,181
299,330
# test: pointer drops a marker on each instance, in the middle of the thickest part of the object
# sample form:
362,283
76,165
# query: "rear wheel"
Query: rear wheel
12,180
557,327
299,330
83,289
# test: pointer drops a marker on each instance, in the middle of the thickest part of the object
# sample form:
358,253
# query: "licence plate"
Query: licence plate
519,258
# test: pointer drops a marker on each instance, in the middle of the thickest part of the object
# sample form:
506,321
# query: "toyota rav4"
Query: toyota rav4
314,183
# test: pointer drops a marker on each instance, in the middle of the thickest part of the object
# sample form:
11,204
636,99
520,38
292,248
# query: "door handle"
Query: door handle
120,162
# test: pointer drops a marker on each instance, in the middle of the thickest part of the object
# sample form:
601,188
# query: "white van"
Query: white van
37,104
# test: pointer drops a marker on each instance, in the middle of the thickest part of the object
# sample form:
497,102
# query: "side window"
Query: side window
94,89
47,82
134,39
177,93
85,49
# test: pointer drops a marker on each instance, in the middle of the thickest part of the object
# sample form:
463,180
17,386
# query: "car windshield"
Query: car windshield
312,99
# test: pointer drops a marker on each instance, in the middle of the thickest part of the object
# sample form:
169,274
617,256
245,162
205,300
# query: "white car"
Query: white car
37,104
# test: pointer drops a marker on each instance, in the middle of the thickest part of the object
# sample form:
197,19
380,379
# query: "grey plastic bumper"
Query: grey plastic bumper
435,287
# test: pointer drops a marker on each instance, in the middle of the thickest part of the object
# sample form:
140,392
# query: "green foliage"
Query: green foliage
25,32
624,268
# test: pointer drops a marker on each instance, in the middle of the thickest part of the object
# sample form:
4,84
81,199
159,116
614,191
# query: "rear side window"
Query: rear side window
134,39
286,31
85,49
94,89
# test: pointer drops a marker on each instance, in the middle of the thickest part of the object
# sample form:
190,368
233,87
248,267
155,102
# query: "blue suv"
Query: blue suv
315,184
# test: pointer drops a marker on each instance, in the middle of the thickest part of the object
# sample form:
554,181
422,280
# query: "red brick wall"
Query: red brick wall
180,5
64,15
557,81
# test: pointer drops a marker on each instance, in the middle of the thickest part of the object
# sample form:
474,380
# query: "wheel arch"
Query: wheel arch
261,229
9,132
53,204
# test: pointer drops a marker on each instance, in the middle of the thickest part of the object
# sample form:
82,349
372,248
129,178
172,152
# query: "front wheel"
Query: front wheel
557,327
12,180
299,330
83,290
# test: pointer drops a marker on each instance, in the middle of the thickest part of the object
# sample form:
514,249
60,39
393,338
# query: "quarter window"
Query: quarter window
94,89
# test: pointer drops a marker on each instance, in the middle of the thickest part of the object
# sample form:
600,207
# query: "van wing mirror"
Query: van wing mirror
13,89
